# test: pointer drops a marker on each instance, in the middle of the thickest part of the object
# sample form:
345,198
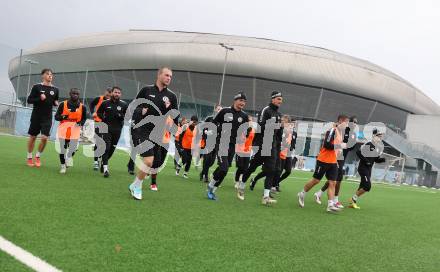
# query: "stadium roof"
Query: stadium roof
253,57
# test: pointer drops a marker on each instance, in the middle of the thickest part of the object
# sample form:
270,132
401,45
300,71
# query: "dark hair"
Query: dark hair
342,117
74,89
45,70
109,89
194,118
353,119
116,87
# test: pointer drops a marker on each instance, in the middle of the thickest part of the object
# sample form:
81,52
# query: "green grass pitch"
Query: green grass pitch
83,222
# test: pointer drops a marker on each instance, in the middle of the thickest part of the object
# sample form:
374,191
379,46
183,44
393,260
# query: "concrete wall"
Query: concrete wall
424,129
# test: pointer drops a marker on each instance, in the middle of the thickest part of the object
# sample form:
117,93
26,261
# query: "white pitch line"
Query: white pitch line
25,257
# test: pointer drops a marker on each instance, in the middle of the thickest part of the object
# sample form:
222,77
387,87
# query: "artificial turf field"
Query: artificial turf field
83,222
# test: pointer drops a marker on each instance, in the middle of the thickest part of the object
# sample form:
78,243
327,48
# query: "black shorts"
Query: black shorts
38,126
160,154
330,170
142,144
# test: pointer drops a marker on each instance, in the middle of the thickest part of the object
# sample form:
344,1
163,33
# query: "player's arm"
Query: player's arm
93,104
59,112
219,117
34,95
293,142
84,116
175,106
140,110
57,97
379,160
182,133
328,140
101,111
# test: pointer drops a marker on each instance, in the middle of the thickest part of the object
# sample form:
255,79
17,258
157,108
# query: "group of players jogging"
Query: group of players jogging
268,142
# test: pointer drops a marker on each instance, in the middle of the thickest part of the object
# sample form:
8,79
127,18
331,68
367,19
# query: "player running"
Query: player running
228,118
112,113
94,106
43,96
72,115
271,161
186,141
368,154
350,140
163,100
326,163
287,161
243,153
178,153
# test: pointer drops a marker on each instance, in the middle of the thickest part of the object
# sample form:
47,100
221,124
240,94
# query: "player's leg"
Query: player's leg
45,133
160,154
255,179
33,131
64,145
145,168
219,174
108,144
319,172
364,186
187,161
270,168
255,162
339,178
95,147
331,175
243,165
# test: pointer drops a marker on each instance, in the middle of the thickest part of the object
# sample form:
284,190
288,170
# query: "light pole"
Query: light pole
227,48
29,79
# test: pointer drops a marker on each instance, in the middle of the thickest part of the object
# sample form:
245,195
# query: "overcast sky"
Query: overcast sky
402,36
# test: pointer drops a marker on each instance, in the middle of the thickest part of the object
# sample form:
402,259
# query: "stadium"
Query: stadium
79,221
317,84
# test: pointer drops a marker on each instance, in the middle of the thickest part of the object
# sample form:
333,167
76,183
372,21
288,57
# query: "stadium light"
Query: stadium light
227,48
29,79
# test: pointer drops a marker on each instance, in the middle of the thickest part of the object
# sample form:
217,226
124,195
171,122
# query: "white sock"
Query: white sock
319,193
29,155
105,168
330,203
38,154
138,182
242,185
63,166
355,198
336,199
303,192
214,189
266,193
212,183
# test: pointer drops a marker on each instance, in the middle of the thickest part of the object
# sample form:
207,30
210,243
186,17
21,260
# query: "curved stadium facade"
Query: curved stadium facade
317,84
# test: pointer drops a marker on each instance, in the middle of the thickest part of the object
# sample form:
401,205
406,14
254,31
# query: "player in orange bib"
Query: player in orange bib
186,141
326,163
243,152
94,106
72,115
178,149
